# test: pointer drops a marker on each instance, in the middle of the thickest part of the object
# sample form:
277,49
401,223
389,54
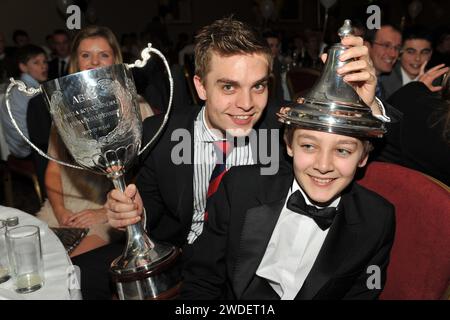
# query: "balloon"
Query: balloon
328,3
63,4
266,8
414,8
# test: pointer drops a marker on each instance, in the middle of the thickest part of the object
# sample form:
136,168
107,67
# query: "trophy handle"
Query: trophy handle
31,92
145,54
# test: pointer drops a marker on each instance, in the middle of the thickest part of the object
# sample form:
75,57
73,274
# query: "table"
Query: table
57,264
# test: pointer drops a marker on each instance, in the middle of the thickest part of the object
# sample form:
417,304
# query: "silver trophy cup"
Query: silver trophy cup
96,113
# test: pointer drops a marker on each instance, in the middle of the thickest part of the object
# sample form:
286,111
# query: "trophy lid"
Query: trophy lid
332,105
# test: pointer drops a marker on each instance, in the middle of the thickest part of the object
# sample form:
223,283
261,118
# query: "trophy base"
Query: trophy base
161,282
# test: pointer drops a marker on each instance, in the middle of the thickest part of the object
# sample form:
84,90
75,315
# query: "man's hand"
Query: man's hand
359,72
428,77
124,208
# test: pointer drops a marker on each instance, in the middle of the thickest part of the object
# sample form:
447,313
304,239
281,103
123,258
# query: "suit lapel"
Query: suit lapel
257,230
184,177
259,223
339,243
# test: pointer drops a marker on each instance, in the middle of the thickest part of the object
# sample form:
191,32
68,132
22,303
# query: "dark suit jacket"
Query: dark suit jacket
39,123
241,219
166,188
391,82
53,69
419,140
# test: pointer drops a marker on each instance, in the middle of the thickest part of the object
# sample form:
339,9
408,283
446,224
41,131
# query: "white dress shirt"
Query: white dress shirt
292,250
204,163
405,77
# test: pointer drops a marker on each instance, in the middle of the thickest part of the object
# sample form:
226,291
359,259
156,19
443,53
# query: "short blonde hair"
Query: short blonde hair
92,32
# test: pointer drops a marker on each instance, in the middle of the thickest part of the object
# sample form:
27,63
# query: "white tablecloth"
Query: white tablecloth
57,264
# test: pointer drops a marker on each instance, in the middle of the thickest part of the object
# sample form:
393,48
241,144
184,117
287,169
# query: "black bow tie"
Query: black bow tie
323,217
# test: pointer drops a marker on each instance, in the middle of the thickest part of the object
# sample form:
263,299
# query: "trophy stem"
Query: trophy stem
137,239
119,182
146,269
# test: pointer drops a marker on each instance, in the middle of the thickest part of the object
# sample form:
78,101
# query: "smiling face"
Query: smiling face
325,163
93,53
235,91
385,49
415,53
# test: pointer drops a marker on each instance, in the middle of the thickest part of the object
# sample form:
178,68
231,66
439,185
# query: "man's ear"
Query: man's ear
201,91
363,161
23,67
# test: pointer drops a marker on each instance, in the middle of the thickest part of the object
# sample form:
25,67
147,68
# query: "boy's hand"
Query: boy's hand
359,72
124,208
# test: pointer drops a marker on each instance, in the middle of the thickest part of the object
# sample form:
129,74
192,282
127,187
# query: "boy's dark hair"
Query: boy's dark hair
417,32
289,136
372,33
226,37
18,33
27,52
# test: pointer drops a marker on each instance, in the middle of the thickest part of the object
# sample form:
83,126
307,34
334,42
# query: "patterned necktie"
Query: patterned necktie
322,217
222,149
378,90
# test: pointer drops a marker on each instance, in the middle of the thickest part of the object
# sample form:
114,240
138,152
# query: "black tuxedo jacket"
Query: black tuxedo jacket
53,69
241,219
166,188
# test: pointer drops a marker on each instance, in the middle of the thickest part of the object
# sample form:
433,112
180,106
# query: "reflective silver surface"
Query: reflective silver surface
97,116
152,284
333,105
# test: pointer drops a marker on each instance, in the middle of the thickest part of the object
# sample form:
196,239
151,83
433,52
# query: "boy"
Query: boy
308,232
32,63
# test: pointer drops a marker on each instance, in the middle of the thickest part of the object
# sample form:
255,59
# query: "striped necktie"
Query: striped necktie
222,149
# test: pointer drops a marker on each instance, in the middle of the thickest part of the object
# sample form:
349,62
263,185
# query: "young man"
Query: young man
415,54
32,63
59,65
232,68
309,232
